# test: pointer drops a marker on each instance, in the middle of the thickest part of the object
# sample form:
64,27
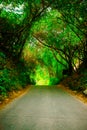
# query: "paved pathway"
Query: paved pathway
44,108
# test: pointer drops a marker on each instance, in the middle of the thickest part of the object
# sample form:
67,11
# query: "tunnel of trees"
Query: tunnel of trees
40,41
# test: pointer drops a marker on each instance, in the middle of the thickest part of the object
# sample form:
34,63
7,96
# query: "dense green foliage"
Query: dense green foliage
41,38
45,68
12,76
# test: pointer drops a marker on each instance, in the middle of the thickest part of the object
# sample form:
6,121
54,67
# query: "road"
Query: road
44,108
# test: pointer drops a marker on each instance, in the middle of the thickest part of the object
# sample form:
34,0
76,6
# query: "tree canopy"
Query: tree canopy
50,34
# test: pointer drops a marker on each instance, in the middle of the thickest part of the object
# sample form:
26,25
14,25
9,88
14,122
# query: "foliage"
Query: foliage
16,20
25,14
42,63
12,76
59,38
43,38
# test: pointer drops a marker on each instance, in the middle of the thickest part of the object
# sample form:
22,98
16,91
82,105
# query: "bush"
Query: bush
23,74
12,76
3,91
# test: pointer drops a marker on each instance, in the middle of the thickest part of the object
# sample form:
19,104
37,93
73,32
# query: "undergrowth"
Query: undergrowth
78,81
12,77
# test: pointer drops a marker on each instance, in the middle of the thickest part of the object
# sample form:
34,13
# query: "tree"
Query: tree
60,38
75,15
16,33
67,14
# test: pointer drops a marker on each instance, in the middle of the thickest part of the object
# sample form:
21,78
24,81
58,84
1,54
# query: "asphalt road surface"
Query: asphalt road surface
44,108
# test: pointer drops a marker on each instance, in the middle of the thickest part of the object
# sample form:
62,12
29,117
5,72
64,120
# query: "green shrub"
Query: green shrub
12,76
3,91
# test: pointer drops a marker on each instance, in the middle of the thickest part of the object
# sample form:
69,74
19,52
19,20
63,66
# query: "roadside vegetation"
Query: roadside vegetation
43,42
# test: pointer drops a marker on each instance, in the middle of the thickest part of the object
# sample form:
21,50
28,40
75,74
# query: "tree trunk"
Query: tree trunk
70,68
85,54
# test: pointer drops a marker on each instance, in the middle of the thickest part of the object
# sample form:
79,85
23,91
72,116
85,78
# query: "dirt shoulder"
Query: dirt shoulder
15,94
12,95
78,95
